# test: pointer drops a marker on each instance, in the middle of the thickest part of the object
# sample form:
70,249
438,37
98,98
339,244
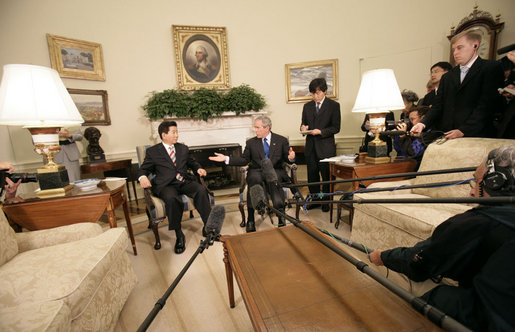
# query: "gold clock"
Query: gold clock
485,24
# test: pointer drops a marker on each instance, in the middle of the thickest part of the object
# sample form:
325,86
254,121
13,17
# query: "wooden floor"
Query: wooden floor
200,301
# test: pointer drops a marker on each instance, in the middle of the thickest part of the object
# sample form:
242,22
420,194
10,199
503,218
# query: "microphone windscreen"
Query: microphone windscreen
268,171
257,196
506,49
215,219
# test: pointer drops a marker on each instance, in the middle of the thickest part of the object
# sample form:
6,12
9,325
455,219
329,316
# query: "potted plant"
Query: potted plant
202,104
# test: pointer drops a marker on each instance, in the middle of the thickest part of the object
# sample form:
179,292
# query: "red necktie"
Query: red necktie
174,160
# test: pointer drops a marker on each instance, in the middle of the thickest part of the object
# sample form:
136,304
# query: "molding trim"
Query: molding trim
344,145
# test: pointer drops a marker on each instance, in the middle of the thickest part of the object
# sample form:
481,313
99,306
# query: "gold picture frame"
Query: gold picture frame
299,75
92,106
73,58
212,71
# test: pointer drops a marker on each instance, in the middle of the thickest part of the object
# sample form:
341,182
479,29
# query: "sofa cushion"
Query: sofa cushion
415,222
70,271
57,235
8,244
456,153
47,316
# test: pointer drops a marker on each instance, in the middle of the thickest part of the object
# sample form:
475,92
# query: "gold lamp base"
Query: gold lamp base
56,192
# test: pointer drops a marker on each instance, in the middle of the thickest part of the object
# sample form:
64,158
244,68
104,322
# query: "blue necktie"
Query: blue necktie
266,147
318,107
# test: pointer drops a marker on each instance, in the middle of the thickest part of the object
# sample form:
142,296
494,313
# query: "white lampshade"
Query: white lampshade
35,96
378,92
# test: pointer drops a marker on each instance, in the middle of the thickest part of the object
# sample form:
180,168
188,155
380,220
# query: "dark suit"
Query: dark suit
428,99
320,146
468,106
253,154
166,186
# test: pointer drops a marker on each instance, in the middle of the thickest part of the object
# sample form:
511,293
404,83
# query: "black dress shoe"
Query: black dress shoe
325,208
180,244
281,222
251,226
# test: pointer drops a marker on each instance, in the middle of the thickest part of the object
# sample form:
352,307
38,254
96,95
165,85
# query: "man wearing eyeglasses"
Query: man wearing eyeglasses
475,248
437,71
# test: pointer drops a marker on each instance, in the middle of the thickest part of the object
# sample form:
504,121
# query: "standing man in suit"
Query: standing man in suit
321,121
266,145
467,96
69,155
437,71
170,161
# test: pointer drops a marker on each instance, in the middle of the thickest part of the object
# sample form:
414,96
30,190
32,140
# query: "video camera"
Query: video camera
15,177
392,125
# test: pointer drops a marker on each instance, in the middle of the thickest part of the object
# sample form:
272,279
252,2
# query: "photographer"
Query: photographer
9,186
414,146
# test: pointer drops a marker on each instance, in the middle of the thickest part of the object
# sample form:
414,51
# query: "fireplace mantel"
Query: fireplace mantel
229,128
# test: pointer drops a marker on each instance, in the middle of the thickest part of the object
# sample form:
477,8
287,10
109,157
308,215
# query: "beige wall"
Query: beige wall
263,36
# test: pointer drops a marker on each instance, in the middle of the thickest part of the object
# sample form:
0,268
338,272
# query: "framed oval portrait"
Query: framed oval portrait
201,57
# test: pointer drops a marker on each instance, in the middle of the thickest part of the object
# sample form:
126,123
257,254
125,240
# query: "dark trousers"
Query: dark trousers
255,177
315,170
171,195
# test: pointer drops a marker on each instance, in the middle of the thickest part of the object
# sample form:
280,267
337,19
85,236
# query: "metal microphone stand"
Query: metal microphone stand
378,177
204,244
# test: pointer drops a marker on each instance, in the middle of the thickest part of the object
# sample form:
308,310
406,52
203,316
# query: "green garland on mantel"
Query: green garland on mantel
203,104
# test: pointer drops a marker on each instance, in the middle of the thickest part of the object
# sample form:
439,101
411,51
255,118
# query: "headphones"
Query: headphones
497,180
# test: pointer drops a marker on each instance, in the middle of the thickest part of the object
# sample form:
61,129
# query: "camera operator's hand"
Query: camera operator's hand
417,129
403,127
11,188
6,165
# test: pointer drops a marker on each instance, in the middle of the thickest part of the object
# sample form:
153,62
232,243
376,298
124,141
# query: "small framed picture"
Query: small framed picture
92,105
201,57
299,75
73,58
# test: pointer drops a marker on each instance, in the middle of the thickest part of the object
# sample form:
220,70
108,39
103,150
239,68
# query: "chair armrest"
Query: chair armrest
291,170
53,236
243,183
201,180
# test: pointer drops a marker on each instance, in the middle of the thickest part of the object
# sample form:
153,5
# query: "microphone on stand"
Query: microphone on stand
258,198
213,226
214,222
269,172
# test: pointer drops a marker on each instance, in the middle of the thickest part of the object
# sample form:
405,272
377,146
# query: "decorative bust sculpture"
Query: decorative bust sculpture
94,151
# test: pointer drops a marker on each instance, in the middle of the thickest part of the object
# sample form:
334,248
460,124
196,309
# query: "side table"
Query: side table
125,164
360,170
34,213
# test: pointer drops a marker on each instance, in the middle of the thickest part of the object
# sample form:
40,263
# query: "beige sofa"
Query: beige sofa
385,226
70,278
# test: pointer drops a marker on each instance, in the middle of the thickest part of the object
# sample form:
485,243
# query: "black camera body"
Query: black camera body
15,177
392,125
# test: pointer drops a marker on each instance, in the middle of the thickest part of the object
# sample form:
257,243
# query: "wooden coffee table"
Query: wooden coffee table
291,282
360,170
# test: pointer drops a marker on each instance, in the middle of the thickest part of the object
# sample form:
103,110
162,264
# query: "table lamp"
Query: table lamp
378,94
35,97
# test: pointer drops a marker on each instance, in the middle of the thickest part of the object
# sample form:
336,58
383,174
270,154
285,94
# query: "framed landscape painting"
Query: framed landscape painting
201,58
92,105
73,58
298,76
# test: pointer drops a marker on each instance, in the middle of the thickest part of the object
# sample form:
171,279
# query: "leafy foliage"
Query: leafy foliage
243,98
202,104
